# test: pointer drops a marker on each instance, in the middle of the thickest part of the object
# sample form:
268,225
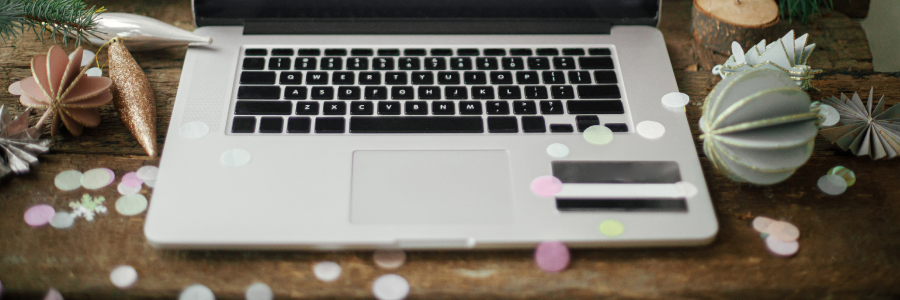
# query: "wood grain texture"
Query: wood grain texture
849,245
717,31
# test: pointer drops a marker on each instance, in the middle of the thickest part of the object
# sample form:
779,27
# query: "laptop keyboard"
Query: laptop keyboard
418,90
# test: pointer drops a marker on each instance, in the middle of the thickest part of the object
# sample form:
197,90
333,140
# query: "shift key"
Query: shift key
594,107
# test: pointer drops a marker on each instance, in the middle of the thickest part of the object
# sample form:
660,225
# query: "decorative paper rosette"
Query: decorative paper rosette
864,130
60,86
19,144
787,54
758,126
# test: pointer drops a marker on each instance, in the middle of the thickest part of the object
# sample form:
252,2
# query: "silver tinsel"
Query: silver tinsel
19,143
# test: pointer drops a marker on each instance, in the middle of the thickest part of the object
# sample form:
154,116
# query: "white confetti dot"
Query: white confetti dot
150,183
651,129
327,271
53,294
558,150
259,291
62,220
194,130
94,72
123,276
782,248
832,116
68,180
147,173
686,189
235,158
95,179
197,292
598,135
389,259
676,99
87,57
390,287
15,88
832,184
130,205
127,190
761,224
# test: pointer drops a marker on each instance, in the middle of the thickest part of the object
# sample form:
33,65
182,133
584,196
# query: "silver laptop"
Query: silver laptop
441,124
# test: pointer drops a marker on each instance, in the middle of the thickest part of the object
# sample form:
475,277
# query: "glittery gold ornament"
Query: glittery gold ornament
133,96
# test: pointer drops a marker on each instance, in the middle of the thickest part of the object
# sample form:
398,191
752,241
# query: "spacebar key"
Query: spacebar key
416,125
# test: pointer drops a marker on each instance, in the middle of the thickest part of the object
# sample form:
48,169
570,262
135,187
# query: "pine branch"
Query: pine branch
61,18
802,9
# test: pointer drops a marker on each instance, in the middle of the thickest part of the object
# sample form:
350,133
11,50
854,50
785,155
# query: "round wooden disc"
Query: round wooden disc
749,13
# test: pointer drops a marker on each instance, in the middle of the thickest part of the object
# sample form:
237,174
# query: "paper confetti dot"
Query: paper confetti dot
68,180
552,256
390,287
612,228
94,72
130,205
259,291
127,190
131,179
123,276
675,99
598,135
53,294
845,173
832,116
194,130
546,186
95,179
782,248
389,259
87,57
686,189
235,158
832,184
147,173
327,271
783,231
761,224
558,150
197,292
150,183
112,176
62,220
39,215
15,88
651,129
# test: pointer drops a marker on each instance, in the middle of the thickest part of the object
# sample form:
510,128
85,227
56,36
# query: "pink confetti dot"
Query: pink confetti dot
552,256
782,248
112,176
131,179
546,186
39,215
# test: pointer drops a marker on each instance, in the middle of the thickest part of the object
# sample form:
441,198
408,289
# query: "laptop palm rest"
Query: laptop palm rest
431,187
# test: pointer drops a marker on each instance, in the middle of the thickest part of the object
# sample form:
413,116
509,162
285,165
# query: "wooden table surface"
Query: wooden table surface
850,244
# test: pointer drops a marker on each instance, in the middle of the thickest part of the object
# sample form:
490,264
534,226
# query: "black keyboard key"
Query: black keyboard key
358,63
527,77
535,92
291,78
308,52
467,52
448,77
416,108
599,51
512,63
429,92
282,52
308,108
494,52
362,108
442,52
475,77
573,51
456,92
595,107
501,78
361,52
369,78
563,63
298,125
497,107
388,52
595,63
295,93
271,124
486,63
520,52
461,63
254,63
547,51
470,108
552,107
509,92
562,92
383,63
435,63
243,125
402,93
259,92
408,63
348,93
257,77
330,125
561,128
583,122
605,77
335,52
414,52
443,108
538,63
599,92
321,93
280,63
343,78
263,108
617,127
416,125
395,78
334,108
388,107
553,77
524,108
376,93
502,125
316,78
579,77
256,52
332,63
533,124
305,63
482,92
422,78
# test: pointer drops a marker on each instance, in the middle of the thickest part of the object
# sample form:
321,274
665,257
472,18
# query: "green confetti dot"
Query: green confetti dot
130,205
612,228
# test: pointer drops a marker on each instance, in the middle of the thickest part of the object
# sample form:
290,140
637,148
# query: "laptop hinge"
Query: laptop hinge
428,26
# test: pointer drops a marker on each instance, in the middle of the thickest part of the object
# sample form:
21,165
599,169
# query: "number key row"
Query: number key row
428,78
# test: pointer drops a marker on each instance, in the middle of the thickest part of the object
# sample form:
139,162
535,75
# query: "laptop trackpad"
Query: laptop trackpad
431,187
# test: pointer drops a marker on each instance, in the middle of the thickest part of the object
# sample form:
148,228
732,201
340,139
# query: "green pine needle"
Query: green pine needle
60,18
802,9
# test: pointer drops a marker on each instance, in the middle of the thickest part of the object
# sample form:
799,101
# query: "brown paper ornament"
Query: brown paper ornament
133,96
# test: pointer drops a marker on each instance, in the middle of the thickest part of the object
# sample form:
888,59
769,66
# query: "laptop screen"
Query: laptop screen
235,12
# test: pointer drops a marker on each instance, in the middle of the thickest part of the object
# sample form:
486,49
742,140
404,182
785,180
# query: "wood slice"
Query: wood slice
716,23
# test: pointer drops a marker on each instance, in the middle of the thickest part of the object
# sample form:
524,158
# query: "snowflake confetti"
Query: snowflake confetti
88,207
